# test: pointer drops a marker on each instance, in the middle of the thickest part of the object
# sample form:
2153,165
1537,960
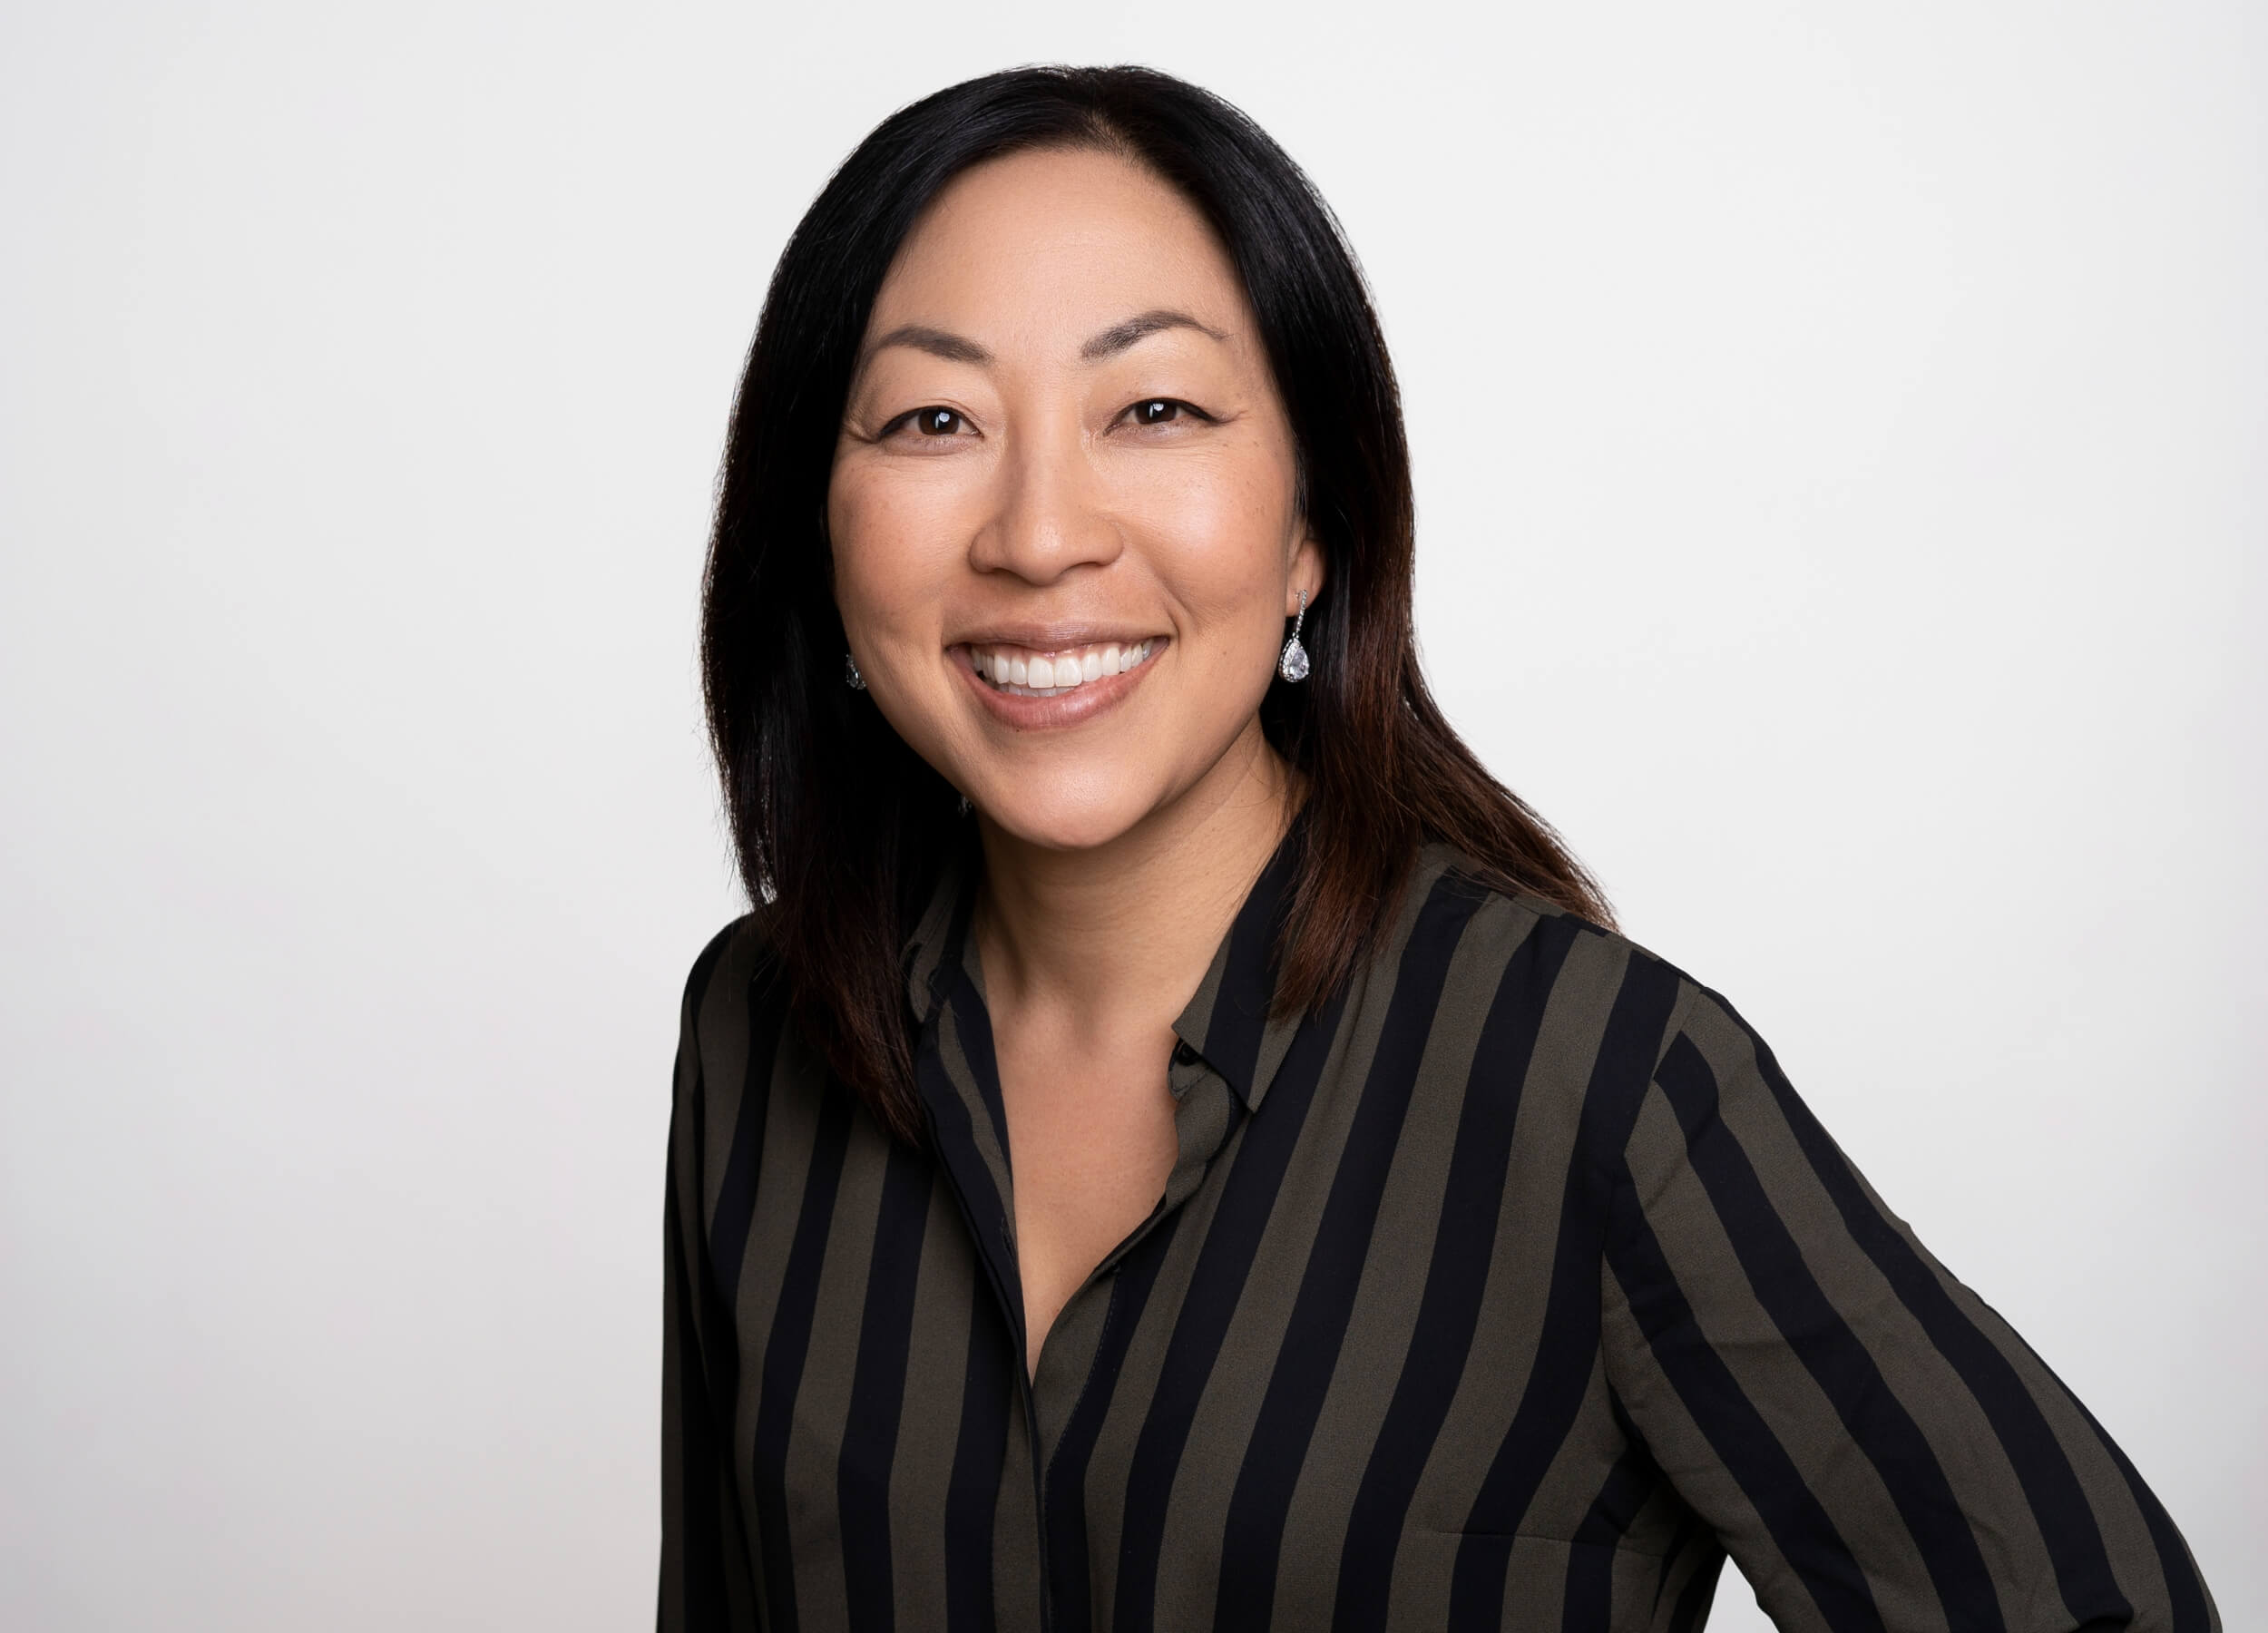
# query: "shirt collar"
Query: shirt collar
1227,1023
931,955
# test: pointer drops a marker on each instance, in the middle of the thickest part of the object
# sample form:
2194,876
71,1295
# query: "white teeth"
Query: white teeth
1054,676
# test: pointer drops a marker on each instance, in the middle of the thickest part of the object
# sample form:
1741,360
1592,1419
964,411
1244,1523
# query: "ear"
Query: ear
1307,572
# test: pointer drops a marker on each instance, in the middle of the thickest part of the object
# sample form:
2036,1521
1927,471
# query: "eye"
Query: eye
927,429
1164,411
935,422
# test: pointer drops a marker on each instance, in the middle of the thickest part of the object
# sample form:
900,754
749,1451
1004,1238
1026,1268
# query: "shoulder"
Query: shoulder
1642,1055
736,975
1580,955
1594,1012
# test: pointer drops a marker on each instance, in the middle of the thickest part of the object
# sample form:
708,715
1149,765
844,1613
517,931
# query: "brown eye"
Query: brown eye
936,422
1163,411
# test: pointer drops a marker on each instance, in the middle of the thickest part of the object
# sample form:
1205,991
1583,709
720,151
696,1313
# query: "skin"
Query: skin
1005,473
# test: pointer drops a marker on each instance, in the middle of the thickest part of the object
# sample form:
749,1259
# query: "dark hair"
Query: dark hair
841,825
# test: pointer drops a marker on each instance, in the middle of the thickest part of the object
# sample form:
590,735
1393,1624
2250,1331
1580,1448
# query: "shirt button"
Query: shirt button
1183,1055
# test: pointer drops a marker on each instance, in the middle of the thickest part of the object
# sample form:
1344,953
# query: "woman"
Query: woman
1176,1148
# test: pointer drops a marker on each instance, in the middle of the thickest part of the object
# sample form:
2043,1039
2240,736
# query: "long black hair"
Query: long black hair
841,825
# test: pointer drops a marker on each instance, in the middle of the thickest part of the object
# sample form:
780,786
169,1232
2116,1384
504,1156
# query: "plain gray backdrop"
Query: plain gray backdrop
1840,438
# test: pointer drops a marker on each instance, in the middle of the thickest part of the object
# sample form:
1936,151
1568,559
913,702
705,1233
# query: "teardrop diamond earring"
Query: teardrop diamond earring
851,677
1293,664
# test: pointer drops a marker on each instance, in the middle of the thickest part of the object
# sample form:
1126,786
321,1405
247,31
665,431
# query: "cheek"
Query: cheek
1219,541
893,545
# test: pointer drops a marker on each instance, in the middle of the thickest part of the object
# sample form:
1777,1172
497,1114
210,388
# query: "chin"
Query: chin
1066,823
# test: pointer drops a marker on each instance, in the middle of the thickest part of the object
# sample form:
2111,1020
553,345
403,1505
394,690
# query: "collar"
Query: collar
931,955
1226,1025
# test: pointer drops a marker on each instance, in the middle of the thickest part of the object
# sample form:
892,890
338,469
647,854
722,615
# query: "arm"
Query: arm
1876,1448
704,1580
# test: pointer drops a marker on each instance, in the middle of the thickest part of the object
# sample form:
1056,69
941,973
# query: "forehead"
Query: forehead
1073,239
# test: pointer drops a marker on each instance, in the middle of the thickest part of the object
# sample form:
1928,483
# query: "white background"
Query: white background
1839,441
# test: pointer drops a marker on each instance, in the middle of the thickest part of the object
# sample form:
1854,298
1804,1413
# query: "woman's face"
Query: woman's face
1062,507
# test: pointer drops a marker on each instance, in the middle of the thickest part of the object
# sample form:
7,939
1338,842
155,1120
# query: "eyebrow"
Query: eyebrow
1120,336
958,348
938,343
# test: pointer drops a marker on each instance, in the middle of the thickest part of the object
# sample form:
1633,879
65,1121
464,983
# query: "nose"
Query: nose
1050,514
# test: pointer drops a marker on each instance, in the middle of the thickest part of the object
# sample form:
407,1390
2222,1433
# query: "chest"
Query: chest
1330,1349
1090,1145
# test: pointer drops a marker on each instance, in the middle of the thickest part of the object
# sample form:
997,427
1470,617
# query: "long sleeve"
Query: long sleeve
1875,1447
705,1580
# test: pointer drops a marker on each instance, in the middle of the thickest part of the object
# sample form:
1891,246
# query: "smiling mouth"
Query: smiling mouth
1022,673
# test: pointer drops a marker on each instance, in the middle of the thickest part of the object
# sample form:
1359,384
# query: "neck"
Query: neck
1123,933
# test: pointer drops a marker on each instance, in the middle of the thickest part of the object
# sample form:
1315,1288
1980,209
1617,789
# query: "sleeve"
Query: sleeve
705,1584
1874,1446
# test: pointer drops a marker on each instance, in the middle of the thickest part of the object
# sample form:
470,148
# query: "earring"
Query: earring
851,677
1293,664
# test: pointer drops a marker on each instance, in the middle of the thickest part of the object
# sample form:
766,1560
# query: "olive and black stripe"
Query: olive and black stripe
1513,1288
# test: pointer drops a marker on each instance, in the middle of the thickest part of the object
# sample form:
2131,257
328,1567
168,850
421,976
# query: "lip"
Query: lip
1049,639
1096,697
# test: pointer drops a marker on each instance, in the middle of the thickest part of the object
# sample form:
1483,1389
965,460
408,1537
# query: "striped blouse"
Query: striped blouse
1514,1288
